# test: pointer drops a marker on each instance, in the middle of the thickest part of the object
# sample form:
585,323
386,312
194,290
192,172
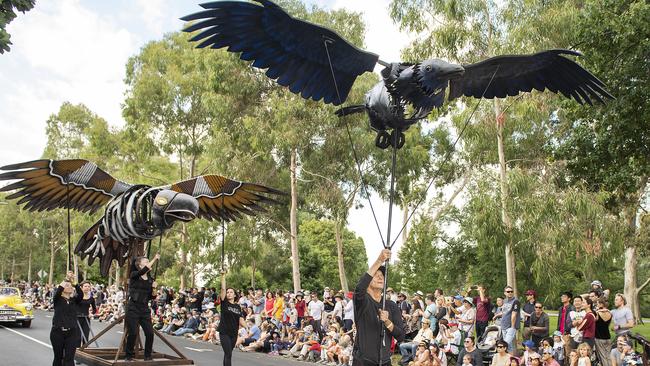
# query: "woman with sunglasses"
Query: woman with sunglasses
501,357
438,356
422,355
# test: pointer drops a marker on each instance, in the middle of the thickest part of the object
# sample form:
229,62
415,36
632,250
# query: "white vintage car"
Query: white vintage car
13,308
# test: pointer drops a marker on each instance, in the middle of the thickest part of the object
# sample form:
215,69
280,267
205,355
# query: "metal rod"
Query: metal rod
387,245
223,227
155,271
383,63
69,230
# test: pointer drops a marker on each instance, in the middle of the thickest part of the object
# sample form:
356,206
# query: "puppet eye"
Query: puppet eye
427,68
161,201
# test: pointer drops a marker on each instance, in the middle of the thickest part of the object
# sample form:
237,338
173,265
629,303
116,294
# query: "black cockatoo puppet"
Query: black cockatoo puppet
303,56
133,214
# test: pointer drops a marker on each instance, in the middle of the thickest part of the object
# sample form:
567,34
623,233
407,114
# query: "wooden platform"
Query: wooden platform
106,357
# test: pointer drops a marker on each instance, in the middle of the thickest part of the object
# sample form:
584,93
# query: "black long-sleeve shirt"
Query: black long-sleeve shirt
65,310
83,305
140,290
369,327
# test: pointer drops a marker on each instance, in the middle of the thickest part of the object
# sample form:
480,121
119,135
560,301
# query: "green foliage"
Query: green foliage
8,9
318,260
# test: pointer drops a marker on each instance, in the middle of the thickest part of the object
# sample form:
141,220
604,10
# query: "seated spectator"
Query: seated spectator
616,355
332,351
252,335
529,350
422,355
470,349
438,356
452,339
261,343
408,349
211,334
190,326
346,350
501,356
539,324
467,360
558,347
548,358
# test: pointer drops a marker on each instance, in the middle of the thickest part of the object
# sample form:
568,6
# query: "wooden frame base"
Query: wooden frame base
101,356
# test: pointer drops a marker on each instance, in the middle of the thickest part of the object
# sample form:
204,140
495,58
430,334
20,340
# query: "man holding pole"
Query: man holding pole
375,326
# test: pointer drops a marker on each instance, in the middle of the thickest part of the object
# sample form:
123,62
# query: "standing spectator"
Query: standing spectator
418,297
564,324
576,319
497,311
348,314
467,318
316,309
301,308
278,309
622,315
430,311
510,318
337,313
483,311
441,312
456,307
588,325
403,303
471,350
527,310
258,306
269,302
603,338
539,324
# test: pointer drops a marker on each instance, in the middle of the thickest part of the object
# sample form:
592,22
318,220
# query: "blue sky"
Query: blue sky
76,51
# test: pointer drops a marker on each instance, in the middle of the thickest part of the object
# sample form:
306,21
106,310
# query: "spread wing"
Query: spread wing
293,51
223,198
48,184
544,70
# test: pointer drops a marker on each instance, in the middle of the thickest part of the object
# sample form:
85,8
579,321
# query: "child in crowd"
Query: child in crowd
467,360
558,347
584,353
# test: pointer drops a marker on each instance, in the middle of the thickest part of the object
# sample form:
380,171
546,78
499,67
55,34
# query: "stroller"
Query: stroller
487,342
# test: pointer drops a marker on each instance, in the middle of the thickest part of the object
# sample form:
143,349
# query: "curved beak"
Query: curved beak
183,208
451,71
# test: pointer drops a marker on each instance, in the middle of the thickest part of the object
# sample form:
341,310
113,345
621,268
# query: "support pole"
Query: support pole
387,245
69,230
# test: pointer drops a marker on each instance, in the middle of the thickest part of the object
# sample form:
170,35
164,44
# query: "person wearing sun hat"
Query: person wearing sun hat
468,316
408,349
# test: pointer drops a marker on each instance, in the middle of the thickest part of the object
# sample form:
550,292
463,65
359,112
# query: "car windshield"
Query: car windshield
7,291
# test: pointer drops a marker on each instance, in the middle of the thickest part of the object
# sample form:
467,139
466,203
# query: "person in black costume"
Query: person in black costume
232,317
371,319
64,335
85,301
141,286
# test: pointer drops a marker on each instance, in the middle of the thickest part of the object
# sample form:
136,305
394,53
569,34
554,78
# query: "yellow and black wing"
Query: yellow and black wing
48,184
223,198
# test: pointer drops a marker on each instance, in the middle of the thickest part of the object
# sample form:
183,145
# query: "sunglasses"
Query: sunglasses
501,346
468,340
509,292
538,307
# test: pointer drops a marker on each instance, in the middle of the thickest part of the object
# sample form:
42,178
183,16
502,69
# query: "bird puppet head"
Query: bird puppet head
171,206
433,75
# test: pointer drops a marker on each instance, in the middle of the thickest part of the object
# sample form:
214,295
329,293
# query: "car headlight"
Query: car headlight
28,306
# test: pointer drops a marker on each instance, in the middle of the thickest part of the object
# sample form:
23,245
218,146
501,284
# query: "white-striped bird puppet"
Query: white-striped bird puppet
133,214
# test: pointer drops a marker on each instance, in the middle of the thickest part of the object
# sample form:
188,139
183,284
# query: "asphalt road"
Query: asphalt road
31,346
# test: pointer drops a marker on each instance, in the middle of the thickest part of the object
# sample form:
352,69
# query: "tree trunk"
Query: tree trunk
253,268
13,269
117,275
2,271
193,274
29,266
630,281
631,289
511,275
110,276
295,257
405,217
52,253
75,263
339,254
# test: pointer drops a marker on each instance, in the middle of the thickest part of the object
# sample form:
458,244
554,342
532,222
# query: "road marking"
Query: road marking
199,349
26,336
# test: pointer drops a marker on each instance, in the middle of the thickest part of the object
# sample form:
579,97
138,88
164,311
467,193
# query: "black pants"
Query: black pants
480,329
228,344
138,315
64,344
84,327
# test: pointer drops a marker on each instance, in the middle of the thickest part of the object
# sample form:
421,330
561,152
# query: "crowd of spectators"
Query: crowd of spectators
468,328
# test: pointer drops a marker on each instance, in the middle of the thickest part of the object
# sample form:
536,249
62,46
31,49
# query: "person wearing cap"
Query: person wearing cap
529,350
375,326
337,313
469,348
539,324
407,349
403,303
468,317
418,297
510,318
527,310
453,339
456,308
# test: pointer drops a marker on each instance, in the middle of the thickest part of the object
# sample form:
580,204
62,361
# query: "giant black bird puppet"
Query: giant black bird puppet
317,63
134,214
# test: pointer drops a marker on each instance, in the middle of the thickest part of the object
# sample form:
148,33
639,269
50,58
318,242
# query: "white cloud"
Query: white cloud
62,52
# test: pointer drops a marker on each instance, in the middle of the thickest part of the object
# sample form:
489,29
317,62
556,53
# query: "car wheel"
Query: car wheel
27,323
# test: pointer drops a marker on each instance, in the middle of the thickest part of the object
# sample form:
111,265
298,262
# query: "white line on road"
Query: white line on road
26,336
199,349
